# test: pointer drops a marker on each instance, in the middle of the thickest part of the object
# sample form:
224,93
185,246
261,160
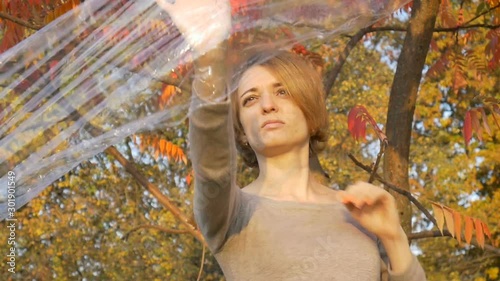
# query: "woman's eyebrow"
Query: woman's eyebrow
248,91
254,89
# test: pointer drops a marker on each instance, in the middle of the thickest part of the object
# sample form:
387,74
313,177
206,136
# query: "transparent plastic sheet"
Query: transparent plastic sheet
101,72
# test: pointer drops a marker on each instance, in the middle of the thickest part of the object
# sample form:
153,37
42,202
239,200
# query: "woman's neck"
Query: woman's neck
287,177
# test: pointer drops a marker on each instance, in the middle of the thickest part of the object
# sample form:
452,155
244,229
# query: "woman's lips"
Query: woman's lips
272,124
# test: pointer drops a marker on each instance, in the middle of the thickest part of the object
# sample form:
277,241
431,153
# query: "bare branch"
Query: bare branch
383,145
437,29
332,74
482,14
202,263
19,21
446,233
155,191
157,227
141,178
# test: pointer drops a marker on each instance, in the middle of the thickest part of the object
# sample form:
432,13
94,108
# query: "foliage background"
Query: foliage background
99,223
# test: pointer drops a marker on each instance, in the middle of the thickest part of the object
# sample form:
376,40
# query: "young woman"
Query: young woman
285,225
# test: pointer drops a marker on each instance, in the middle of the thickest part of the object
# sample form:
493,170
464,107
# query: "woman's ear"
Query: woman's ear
243,139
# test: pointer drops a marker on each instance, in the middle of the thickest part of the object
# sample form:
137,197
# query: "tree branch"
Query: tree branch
332,74
482,14
446,233
403,192
155,191
140,177
157,227
423,234
202,263
19,21
383,145
437,29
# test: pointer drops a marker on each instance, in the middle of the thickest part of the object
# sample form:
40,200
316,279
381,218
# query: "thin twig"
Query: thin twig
19,21
155,191
332,74
383,145
131,168
481,14
157,227
202,262
437,29
424,234
446,233
403,192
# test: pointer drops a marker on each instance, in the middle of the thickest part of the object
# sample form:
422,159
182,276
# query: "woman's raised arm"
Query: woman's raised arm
205,24
213,152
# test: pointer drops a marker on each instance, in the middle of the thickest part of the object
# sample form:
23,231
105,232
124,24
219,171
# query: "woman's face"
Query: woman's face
271,120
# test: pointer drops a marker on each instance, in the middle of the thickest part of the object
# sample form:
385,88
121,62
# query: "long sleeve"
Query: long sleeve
213,154
415,272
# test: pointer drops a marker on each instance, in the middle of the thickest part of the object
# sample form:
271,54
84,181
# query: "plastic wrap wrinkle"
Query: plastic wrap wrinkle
94,76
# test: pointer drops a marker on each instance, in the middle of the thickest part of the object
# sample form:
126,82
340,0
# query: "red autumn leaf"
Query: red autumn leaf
434,45
163,147
469,228
476,126
479,232
454,224
486,230
446,14
356,123
173,153
485,120
189,179
169,148
458,79
492,49
439,66
467,130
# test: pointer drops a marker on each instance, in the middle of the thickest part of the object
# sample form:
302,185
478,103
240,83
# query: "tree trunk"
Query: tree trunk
403,99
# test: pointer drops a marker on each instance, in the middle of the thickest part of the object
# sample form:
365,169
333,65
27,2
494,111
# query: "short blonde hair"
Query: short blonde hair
304,84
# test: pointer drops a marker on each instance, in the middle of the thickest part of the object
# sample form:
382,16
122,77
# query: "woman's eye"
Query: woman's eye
247,100
282,92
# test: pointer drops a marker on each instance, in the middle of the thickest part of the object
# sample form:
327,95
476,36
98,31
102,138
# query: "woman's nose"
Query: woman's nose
268,103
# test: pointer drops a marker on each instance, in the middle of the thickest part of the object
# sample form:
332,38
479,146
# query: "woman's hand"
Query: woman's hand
374,208
204,23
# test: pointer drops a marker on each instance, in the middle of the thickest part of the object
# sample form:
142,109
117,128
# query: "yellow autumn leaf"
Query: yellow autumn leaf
492,273
439,215
450,224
